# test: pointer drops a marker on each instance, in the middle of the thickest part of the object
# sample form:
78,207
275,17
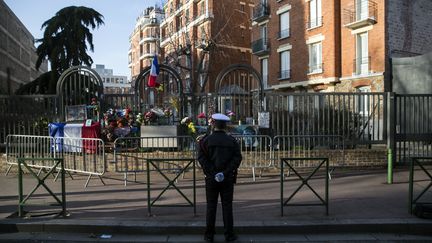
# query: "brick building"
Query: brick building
17,53
331,45
144,40
214,31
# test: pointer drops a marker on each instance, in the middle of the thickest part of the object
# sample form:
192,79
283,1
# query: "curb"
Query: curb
400,226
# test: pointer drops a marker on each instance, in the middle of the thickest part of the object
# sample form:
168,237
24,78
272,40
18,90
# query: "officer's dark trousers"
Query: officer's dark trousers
225,189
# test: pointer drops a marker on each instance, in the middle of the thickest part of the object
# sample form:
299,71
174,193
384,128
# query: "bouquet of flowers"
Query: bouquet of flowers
189,125
231,115
150,116
201,119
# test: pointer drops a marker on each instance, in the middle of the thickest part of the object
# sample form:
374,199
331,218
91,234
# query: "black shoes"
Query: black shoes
230,238
208,238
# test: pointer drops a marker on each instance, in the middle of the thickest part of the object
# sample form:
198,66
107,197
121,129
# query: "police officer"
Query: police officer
219,156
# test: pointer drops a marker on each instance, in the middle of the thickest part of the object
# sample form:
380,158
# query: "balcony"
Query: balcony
360,14
149,38
284,74
314,23
362,66
284,34
260,47
151,21
261,12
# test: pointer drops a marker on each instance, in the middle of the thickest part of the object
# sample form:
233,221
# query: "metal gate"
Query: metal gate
239,89
412,126
77,86
168,94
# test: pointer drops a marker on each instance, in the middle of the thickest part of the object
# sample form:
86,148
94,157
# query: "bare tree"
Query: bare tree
194,45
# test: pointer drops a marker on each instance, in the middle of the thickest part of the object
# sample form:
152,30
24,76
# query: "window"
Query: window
284,65
202,10
315,19
362,54
263,32
284,25
364,100
264,72
362,9
203,34
187,16
315,57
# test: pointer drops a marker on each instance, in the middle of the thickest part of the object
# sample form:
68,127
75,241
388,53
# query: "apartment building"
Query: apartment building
144,40
332,45
214,31
113,84
17,53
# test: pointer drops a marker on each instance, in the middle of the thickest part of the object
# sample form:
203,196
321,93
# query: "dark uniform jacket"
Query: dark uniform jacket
219,152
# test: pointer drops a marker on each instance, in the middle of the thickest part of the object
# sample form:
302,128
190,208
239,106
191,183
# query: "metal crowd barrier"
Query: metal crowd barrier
306,146
24,146
80,155
131,153
256,152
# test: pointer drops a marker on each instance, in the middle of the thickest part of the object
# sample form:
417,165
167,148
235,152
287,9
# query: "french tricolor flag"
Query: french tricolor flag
154,72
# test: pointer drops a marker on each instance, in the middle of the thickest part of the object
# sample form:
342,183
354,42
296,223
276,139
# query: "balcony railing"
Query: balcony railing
316,68
284,74
284,33
360,14
362,65
261,12
151,21
260,46
313,23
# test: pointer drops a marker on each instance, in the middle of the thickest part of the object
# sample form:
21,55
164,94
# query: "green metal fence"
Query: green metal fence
58,163
421,162
304,182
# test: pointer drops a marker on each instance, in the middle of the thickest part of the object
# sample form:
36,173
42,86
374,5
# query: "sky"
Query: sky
111,40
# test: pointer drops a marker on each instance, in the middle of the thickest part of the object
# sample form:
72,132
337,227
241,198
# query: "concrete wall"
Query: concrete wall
17,52
409,27
413,75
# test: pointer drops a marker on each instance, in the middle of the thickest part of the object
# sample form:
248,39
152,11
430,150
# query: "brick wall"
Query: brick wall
351,157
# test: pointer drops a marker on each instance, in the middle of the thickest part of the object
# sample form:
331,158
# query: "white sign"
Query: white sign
264,119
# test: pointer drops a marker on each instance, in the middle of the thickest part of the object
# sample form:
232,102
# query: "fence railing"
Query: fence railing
310,146
27,114
413,126
359,118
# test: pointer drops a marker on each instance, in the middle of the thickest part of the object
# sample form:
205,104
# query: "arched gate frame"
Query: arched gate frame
170,95
77,86
239,89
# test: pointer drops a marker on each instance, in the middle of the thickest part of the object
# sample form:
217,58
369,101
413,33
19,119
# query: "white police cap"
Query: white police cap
220,117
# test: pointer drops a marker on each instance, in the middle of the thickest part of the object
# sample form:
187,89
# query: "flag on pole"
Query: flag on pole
154,72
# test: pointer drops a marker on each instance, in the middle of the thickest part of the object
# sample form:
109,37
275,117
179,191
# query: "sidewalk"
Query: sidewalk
359,202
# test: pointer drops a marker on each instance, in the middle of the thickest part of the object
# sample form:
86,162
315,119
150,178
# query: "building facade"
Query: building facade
113,84
144,40
17,53
331,45
204,36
